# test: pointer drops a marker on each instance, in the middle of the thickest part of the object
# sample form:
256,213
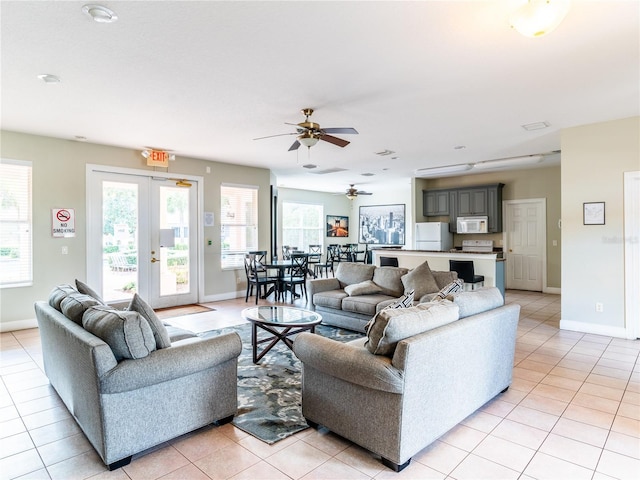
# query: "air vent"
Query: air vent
329,170
385,152
367,174
535,126
309,165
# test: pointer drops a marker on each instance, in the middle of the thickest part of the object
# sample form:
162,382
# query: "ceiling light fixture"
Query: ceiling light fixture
508,162
100,14
538,17
48,78
308,139
436,171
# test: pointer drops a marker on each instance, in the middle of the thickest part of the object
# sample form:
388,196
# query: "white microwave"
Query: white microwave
472,224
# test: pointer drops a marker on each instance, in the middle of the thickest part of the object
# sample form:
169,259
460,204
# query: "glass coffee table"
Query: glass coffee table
282,322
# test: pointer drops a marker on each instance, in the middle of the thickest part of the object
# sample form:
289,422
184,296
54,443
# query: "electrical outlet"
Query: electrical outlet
238,280
599,307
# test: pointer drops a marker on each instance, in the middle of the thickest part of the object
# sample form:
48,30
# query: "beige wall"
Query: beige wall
541,182
594,159
59,180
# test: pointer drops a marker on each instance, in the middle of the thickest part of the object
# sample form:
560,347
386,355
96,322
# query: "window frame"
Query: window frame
320,228
232,258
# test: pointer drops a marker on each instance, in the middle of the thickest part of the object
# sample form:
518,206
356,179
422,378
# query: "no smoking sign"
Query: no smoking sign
63,222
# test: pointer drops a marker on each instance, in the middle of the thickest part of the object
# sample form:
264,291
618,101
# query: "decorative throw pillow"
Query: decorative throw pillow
477,301
159,330
392,325
421,280
75,304
58,294
451,288
87,290
127,333
405,301
363,288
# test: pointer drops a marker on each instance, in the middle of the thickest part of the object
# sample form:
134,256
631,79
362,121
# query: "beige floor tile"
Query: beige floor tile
602,391
562,382
463,437
328,442
12,427
629,410
553,392
498,407
596,402
46,417
631,397
227,462
189,471
298,459
582,432
362,460
415,471
9,412
571,450
264,450
15,444
569,373
543,403
625,425
474,467
512,395
520,434
623,444
60,450
618,466
261,470
538,367
334,469
589,416
155,464
532,417
85,465
441,457
546,467
607,371
484,422
20,464
504,452
201,443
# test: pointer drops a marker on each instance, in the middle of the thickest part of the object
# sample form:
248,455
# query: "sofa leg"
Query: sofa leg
394,466
120,463
312,424
505,389
224,421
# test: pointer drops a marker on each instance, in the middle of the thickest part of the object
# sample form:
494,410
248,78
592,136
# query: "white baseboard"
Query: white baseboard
18,325
553,290
618,332
222,296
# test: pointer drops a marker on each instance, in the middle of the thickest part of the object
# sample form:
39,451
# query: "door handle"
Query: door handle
154,260
510,251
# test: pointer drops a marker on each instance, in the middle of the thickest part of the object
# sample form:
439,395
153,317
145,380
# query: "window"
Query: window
238,223
15,224
302,225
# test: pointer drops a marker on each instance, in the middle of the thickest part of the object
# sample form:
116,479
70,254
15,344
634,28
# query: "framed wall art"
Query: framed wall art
382,224
337,226
593,213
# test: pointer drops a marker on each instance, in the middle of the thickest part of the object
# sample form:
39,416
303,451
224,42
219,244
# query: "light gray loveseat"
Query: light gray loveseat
127,405
351,298
397,402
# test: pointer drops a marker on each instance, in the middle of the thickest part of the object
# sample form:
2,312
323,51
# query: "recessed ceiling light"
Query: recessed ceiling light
100,14
535,126
367,174
309,165
459,147
48,78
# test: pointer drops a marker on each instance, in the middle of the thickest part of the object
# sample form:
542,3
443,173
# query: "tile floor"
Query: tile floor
572,412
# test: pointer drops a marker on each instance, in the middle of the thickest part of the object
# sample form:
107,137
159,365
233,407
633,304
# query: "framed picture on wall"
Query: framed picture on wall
593,213
382,224
337,226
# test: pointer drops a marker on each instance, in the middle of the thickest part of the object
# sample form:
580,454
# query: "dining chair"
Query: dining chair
297,275
257,276
466,272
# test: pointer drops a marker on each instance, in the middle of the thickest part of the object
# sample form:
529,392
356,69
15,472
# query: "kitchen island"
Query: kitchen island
487,264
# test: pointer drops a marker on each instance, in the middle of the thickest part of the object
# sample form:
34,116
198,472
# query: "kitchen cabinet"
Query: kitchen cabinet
435,203
480,200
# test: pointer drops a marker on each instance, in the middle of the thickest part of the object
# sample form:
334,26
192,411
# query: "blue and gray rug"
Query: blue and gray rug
269,393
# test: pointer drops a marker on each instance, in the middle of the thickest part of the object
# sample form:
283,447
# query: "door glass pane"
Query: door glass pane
119,240
174,249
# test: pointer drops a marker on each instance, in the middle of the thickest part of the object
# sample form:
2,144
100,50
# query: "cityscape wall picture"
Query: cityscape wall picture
382,224
337,226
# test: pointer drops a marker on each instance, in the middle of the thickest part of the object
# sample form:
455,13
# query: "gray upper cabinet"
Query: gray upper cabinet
463,202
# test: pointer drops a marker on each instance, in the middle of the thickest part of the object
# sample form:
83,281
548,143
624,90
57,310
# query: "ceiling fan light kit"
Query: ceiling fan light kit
536,18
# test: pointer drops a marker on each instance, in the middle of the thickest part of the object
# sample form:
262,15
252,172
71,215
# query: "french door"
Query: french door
142,233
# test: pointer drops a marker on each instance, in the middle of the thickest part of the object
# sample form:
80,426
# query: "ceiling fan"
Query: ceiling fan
353,192
309,133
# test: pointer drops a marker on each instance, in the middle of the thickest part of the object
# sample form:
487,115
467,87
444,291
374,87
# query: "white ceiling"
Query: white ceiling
205,78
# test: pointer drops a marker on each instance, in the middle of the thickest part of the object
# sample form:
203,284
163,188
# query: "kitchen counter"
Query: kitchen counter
484,263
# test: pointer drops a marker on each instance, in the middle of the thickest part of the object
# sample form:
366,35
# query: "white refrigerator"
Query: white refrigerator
433,236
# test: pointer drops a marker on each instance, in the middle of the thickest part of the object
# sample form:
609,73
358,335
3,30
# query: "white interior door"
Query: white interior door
142,238
525,248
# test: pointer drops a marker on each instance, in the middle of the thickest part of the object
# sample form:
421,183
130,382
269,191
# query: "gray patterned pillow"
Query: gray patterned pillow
159,330
58,294
75,304
127,333
451,288
87,290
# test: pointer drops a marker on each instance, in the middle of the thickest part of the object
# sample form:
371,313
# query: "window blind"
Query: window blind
238,223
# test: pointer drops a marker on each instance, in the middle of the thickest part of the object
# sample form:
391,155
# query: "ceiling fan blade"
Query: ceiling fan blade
364,193
277,135
294,146
335,140
340,130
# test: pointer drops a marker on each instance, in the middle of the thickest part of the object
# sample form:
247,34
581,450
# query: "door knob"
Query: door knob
510,250
154,260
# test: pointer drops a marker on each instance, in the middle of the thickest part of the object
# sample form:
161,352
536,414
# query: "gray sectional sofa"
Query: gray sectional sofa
129,381
420,372
358,291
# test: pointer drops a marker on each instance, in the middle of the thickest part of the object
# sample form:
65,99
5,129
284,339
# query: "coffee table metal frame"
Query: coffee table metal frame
290,320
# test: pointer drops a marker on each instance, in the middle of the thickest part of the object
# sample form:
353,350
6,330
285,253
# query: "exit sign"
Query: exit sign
158,158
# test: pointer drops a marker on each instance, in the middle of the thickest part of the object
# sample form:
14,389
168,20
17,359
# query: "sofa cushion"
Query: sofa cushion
389,279
159,330
58,294
127,333
477,301
87,290
349,273
363,304
394,324
176,333
75,304
329,299
363,288
421,280
451,288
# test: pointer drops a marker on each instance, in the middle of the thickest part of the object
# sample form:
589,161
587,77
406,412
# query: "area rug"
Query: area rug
269,393
181,310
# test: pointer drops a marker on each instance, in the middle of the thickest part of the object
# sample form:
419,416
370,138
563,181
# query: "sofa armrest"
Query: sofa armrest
185,358
350,363
322,285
